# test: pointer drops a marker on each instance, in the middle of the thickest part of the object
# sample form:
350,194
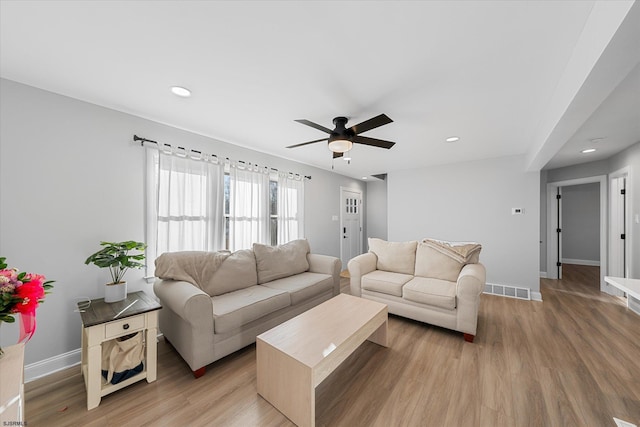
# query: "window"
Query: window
183,204
273,219
194,204
284,212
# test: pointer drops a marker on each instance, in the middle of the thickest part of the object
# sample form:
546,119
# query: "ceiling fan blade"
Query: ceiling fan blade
373,123
336,155
306,143
313,125
373,141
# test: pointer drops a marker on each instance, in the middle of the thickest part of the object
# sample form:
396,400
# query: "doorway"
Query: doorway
350,224
554,223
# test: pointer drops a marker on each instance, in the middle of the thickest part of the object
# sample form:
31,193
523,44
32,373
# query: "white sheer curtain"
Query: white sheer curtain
248,206
184,203
290,207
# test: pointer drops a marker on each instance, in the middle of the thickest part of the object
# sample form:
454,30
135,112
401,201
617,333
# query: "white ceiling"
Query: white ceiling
487,72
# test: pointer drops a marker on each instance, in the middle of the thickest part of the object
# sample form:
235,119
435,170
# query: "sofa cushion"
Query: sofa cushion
397,257
435,292
303,286
234,309
385,282
444,260
237,271
276,262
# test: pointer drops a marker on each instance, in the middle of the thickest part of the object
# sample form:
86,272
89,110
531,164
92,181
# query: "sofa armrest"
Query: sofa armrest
187,301
326,265
471,281
358,267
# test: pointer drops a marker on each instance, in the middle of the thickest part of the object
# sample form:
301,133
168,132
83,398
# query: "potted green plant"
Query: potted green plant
119,258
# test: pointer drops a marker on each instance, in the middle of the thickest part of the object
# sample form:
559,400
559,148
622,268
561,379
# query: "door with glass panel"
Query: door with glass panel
350,225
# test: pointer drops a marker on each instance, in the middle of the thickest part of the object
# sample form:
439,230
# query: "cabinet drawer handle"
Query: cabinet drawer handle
125,326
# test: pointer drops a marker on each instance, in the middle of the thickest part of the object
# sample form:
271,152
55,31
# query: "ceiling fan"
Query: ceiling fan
341,139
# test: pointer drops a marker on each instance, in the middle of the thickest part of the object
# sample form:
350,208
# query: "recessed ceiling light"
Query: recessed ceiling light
364,177
453,139
588,150
596,140
181,91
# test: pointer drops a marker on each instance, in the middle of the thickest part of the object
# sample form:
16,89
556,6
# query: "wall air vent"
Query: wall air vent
507,291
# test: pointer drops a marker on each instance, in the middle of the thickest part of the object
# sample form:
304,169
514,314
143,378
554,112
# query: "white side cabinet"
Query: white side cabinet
106,321
12,385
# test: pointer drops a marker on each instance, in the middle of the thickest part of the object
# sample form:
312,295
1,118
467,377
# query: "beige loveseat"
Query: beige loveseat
215,303
432,281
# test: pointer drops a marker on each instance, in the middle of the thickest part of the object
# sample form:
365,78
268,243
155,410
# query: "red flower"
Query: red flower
29,293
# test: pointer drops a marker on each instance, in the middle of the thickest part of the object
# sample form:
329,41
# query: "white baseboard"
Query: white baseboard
581,262
45,367
543,274
36,370
536,296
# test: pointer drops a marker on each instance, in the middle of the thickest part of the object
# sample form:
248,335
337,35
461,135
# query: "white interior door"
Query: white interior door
617,235
559,232
350,225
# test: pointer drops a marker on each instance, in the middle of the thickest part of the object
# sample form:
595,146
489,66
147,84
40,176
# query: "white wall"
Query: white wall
376,209
473,201
543,223
581,224
70,176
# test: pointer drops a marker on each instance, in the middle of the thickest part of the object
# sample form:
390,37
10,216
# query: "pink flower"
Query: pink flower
34,278
10,274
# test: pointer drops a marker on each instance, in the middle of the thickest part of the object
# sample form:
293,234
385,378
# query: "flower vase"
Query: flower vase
114,292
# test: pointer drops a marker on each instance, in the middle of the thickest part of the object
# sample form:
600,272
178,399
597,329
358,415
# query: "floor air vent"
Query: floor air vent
507,291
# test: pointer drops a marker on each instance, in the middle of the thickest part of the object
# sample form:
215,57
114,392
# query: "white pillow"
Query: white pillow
276,262
397,257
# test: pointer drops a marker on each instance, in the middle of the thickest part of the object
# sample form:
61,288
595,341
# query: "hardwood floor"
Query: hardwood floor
572,360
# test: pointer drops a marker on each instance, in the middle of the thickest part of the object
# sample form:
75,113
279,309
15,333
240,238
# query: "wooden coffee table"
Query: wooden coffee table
296,356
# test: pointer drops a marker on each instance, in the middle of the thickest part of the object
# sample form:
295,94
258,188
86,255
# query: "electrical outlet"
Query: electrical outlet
517,211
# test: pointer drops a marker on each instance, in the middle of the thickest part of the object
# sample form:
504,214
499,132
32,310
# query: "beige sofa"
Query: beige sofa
432,281
215,303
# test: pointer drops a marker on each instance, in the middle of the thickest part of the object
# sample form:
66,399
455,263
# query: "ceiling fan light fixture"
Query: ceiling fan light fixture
340,145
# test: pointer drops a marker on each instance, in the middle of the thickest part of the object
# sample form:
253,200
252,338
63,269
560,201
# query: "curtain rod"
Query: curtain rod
142,140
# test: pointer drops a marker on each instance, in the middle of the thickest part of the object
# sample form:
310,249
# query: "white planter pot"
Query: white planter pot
115,292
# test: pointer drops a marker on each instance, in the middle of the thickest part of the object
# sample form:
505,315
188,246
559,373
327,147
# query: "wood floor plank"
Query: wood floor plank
571,360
